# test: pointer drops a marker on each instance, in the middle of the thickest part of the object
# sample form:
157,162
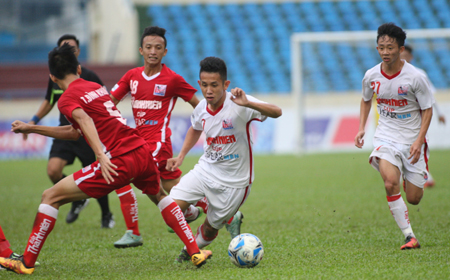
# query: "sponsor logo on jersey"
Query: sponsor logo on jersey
92,95
151,122
221,139
403,90
230,156
393,102
146,104
226,124
160,90
388,112
140,114
115,87
403,116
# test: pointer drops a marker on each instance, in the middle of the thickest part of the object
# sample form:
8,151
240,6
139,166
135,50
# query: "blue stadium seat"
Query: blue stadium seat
254,39
7,38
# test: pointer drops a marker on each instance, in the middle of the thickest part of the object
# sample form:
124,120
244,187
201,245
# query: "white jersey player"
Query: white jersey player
224,173
404,102
228,145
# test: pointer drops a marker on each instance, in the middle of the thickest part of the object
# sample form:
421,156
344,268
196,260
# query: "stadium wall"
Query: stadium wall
331,122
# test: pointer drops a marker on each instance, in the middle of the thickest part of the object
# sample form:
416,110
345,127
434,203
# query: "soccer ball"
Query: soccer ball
246,250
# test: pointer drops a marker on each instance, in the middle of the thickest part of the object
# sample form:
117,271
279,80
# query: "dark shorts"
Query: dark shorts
136,166
69,150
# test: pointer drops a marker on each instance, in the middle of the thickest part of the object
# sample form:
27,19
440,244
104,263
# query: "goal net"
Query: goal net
326,74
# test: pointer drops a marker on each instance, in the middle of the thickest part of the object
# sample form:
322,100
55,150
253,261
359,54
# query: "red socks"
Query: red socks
43,224
5,251
129,206
174,218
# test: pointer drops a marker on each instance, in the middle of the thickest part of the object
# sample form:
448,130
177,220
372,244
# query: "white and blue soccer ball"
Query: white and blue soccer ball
246,250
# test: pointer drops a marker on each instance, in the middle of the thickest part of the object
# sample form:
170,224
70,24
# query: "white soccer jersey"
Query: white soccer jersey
400,98
227,157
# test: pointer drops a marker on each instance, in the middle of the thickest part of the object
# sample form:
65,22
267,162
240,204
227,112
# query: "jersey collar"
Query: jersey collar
392,76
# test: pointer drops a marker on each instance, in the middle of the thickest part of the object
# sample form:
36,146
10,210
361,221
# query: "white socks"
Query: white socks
400,212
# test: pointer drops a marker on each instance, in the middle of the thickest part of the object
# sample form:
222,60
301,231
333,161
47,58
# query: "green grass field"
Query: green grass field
319,216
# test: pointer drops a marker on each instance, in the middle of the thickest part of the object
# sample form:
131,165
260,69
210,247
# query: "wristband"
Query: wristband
35,119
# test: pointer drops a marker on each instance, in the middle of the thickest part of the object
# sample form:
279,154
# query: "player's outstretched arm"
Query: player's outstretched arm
66,132
192,137
194,101
90,132
416,147
363,115
240,98
43,110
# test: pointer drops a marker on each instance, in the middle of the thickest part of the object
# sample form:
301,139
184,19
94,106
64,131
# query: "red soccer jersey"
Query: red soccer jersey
153,99
116,137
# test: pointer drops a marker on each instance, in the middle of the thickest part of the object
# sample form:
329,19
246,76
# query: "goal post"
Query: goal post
344,37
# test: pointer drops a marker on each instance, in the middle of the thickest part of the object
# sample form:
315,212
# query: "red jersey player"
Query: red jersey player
154,91
122,157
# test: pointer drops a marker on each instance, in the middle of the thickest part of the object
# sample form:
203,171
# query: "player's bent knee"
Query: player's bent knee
48,197
54,174
414,200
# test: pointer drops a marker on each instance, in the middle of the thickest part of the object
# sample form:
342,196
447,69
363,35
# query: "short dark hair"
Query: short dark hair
409,49
154,31
213,64
68,37
393,31
62,61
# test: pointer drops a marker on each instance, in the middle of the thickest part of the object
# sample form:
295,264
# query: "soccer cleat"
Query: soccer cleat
410,243
200,213
77,206
183,257
200,258
234,228
129,240
15,255
16,264
108,221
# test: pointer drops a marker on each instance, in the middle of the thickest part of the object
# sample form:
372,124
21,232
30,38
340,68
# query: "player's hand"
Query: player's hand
415,151
359,139
173,163
239,97
442,119
25,135
20,127
107,168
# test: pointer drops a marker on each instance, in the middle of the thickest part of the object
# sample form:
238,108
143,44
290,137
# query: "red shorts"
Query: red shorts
136,166
161,153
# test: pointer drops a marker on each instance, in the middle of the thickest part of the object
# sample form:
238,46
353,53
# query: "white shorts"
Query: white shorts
224,201
398,154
